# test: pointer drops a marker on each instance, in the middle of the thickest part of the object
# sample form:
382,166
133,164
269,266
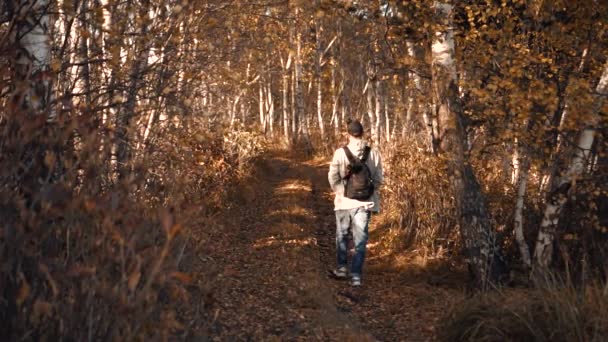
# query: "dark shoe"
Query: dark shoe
356,281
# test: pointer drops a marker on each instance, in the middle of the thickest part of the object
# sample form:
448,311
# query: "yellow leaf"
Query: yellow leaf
41,309
24,291
55,65
182,277
134,279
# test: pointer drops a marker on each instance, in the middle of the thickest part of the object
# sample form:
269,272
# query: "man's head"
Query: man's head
355,129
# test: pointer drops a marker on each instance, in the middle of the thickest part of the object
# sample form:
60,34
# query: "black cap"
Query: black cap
355,128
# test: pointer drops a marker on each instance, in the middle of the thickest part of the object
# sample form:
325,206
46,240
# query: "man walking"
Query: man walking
355,175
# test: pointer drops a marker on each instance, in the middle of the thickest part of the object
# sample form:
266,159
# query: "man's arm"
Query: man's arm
334,178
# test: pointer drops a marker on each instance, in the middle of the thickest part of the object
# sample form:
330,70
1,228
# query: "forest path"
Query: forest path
271,252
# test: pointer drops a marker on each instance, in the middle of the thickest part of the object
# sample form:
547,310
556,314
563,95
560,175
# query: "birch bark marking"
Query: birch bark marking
416,89
261,106
543,252
33,59
522,183
370,106
387,119
83,52
270,108
475,228
336,93
299,112
285,77
378,110
318,62
335,120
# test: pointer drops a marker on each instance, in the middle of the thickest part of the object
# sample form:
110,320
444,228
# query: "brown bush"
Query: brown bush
417,195
82,262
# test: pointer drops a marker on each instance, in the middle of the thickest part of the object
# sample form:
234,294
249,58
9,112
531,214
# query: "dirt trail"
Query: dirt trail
266,261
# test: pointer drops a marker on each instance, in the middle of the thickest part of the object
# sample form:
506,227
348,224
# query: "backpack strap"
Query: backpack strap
366,154
351,158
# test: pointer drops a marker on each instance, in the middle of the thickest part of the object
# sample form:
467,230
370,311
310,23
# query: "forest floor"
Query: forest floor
263,267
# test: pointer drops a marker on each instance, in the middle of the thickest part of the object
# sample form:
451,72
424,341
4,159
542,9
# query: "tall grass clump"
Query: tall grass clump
555,310
417,196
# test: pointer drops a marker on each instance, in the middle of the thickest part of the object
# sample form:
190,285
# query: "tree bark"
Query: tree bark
522,183
476,231
285,79
32,65
124,116
319,77
378,111
543,253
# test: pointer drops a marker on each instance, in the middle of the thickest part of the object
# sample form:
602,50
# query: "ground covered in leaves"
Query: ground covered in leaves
261,269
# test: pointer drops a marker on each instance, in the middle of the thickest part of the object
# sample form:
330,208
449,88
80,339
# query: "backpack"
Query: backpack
359,183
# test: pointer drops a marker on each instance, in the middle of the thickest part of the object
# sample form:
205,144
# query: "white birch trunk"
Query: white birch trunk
387,120
370,108
515,167
319,77
522,183
378,112
543,252
270,106
285,104
417,89
294,111
261,107
335,117
303,121
475,226
33,59
233,109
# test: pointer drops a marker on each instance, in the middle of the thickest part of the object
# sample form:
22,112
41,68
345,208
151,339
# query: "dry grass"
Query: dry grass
554,311
417,198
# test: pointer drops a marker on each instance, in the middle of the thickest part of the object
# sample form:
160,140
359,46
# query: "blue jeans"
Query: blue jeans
358,220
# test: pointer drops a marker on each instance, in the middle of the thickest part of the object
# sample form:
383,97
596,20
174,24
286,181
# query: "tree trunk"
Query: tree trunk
335,117
124,116
522,183
475,229
370,108
378,111
32,66
300,113
387,119
285,99
261,107
319,77
270,108
543,252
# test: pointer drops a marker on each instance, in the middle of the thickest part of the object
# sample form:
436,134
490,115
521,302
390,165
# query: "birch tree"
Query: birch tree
543,253
476,231
32,64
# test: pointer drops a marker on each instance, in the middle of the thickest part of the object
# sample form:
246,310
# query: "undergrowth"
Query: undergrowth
87,255
555,310
417,197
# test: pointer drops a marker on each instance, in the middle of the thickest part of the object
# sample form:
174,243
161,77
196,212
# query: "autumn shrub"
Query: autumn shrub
81,262
193,165
555,310
417,195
